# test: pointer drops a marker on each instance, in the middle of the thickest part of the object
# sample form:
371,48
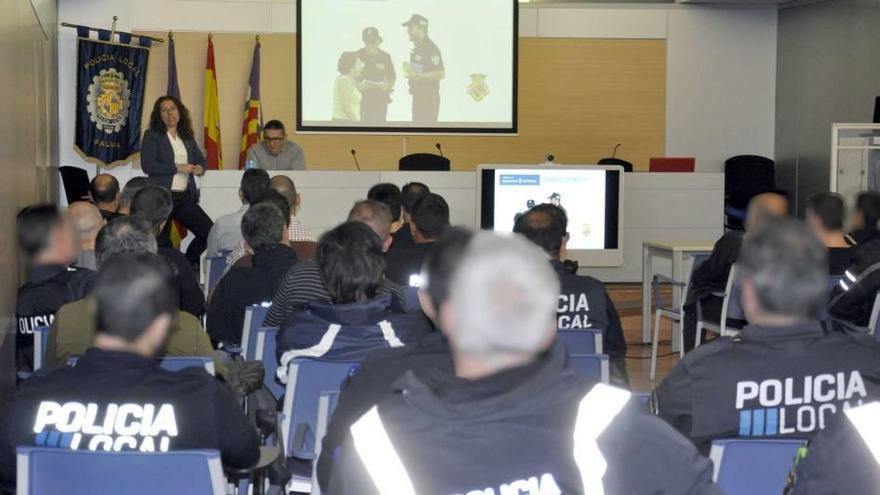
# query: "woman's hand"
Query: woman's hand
184,168
197,170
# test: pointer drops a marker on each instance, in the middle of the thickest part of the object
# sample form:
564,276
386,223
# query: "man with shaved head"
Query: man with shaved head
297,232
104,191
87,221
711,276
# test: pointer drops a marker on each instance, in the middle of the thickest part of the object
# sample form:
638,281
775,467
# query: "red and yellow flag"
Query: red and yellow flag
213,153
250,127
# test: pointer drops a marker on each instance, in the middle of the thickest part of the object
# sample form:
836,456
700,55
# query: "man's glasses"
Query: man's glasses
274,138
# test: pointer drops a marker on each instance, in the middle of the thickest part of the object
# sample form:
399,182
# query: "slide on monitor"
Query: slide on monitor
407,65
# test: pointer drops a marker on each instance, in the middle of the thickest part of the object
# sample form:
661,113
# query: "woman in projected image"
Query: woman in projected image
346,91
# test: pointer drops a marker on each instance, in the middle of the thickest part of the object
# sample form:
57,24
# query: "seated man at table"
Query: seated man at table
825,214
104,191
509,414
583,303
263,227
360,318
275,151
73,329
429,218
710,278
119,385
303,282
784,375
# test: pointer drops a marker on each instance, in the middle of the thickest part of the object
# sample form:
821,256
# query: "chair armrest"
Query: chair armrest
267,457
662,279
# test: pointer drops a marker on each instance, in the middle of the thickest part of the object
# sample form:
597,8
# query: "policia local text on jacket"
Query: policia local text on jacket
121,401
538,428
769,382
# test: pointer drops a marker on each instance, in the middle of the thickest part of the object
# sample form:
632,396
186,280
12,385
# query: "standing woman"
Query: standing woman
171,157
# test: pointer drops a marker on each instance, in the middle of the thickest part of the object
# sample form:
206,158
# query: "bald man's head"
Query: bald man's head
104,190
87,221
766,207
285,186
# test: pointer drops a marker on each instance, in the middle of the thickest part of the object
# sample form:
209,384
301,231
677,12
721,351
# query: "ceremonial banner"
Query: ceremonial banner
109,99
173,89
250,127
213,150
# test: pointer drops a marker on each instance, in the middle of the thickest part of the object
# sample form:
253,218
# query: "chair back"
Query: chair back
424,162
326,406
253,320
593,366
41,341
874,322
266,344
732,307
49,471
746,467
627,166
216,266
76,183
173,363
583,341
746,176
307,379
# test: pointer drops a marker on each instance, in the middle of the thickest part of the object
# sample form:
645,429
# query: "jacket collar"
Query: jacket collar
354,314
96,359
757,332
273,255
45,272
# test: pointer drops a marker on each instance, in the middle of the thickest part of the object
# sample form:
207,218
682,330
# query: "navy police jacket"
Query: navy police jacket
347,332
46,290
112,401
537,429
584,303
769,382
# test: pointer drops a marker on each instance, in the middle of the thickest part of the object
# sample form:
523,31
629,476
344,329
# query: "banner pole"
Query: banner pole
113,28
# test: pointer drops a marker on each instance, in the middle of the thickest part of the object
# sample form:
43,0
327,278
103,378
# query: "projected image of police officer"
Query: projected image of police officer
347,94
424,70
377,78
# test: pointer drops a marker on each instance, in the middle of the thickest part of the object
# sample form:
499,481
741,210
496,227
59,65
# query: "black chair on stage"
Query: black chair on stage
76,183
424,162
745,176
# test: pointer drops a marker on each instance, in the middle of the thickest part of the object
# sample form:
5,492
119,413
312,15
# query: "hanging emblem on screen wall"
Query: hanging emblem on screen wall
108,100
478,89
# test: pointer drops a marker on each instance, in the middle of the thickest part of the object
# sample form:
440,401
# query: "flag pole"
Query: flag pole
113,28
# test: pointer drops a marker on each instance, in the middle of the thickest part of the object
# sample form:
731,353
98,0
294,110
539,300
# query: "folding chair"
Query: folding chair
730,308
41,341
676,315
875,318
584,341
215,267
326,406
307,379
264,351
173,363
746,467
49,471
253,320
593,366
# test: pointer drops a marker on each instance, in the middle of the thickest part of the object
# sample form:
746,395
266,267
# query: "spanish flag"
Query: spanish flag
213,153
250,127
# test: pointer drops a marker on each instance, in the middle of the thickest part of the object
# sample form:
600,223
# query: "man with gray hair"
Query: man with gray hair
783,375
510,414
73,329
87,221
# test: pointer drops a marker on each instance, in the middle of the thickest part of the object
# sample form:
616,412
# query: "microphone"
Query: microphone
439,148
614,153
354,156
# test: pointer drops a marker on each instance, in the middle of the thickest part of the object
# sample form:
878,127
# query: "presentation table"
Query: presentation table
655,205
677,252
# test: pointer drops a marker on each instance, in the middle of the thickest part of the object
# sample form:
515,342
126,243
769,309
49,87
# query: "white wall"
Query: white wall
721,61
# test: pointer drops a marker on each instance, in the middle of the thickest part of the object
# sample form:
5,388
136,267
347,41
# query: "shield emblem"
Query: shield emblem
478,88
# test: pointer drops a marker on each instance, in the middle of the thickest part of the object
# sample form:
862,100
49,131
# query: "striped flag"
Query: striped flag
253,118
213,153
178,231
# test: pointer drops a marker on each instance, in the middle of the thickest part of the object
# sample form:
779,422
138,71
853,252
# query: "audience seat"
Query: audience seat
41,341
585,341
215,267
874,322
265,345
174,363
593,366
253,320
731,309
50,471
748,467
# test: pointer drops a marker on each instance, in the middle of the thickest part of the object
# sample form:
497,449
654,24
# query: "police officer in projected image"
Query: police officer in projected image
424,70
347,94
275,151
48,240
783,375
522,420
842,458
380,369
583,302
378,77
116,398
359,318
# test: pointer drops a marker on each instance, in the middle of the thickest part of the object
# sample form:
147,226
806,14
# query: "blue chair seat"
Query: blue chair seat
747,466
593,366
584,341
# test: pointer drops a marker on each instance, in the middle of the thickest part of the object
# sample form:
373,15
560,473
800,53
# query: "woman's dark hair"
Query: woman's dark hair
346,62
351,262
184,126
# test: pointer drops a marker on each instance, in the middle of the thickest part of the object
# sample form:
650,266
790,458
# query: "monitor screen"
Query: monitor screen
441,66
589,195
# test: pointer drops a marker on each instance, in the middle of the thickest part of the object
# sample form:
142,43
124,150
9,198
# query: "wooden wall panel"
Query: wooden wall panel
578,98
